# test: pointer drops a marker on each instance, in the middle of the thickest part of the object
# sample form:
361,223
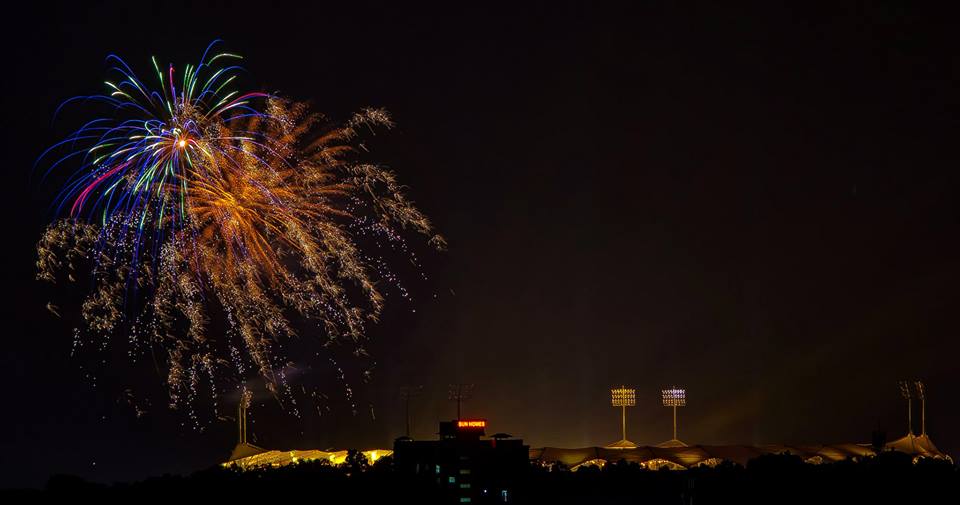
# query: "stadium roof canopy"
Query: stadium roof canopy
266,458
710,455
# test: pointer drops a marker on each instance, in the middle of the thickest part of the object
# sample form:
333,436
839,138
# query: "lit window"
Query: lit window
464,499
451,479
465,485
438,469
464,471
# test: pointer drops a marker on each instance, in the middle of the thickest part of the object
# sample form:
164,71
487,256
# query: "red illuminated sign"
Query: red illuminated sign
472,423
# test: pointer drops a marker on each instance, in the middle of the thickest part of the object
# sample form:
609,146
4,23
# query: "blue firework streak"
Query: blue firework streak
135,172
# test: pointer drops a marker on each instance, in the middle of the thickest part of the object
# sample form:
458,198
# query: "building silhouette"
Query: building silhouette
467,466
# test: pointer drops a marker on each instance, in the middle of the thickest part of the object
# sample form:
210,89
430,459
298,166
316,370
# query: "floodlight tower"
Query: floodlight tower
674,397
242,423
246,396
922,395
905,391
460,393
406,393
243,447
623,397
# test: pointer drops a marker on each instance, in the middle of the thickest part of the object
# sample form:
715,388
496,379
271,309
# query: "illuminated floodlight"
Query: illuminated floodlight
921,391
674,397
623,397
905,389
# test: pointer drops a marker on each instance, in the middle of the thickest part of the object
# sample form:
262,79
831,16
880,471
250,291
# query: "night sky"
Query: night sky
759,204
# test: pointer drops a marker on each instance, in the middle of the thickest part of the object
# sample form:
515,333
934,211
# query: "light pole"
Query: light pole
623,397
246,396
922,395
905,391
460,393
406,393
674,397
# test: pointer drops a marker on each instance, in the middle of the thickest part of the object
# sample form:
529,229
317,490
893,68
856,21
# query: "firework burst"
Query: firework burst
193,199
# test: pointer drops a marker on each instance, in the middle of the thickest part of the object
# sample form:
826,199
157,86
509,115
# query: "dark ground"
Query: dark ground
890,478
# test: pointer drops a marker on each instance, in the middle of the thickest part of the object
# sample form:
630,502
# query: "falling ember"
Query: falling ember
193,195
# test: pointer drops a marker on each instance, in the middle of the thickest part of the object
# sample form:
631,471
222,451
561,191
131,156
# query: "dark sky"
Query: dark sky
760,204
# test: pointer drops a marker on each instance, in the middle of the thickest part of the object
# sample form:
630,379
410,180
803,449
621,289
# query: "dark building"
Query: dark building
467,467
